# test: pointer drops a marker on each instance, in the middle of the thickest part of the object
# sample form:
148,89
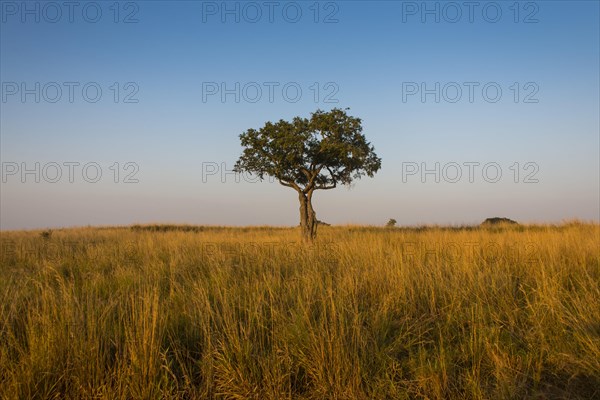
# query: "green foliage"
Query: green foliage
322,152
391,223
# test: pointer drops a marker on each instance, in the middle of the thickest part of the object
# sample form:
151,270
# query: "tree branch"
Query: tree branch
293,185
325,187
305,172
311,182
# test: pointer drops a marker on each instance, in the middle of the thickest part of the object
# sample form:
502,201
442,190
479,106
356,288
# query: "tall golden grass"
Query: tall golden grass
249,313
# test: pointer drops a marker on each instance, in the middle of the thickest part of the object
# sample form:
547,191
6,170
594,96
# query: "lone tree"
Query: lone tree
319,153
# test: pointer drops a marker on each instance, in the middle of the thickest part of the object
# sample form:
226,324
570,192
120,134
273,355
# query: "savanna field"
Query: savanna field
182,312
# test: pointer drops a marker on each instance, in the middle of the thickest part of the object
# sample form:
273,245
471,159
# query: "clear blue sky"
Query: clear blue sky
369,56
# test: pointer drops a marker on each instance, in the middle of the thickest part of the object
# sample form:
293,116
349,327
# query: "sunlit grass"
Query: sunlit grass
250,313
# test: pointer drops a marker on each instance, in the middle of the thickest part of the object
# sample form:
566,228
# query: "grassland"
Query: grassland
249,313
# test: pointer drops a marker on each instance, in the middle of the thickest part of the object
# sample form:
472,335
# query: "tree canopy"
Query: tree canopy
317,153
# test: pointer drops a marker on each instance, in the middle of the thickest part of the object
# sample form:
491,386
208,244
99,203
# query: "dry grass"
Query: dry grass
367,313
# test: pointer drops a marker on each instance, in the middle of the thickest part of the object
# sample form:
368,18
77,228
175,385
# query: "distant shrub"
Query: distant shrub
498,221
168,228
391,223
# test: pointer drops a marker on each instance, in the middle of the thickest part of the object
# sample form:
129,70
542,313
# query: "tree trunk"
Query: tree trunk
308,217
